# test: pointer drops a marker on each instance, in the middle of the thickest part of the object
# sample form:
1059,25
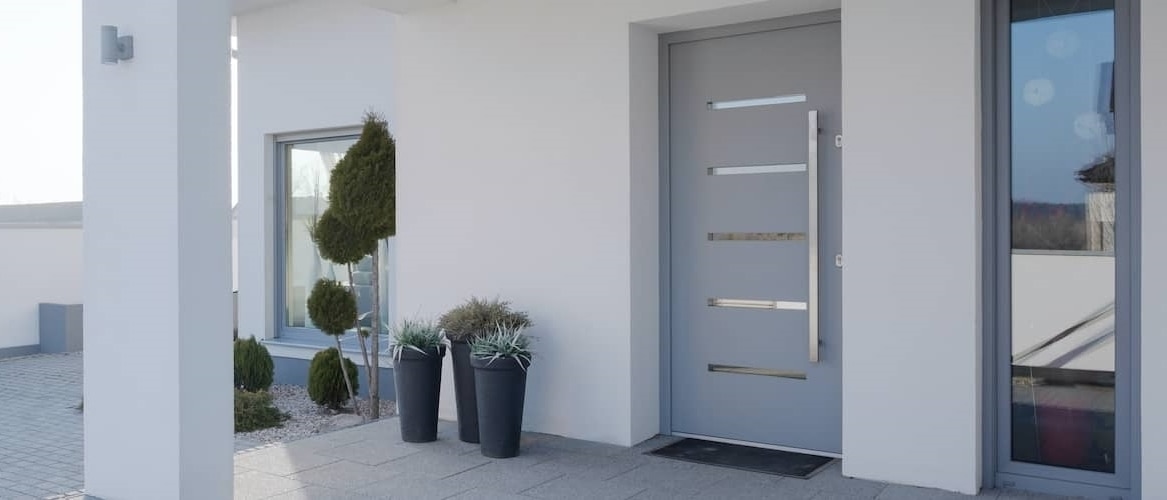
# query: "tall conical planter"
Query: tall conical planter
464,392
418,379
501,390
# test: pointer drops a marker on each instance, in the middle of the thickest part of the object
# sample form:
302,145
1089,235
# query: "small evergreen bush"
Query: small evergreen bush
326,381
254,368
332,307
255,411
480,317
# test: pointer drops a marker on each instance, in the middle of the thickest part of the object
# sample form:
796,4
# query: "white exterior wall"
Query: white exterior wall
1154,247
527,169
911,316
40,265
302,66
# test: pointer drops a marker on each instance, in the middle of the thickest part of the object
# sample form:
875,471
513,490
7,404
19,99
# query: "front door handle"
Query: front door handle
812,233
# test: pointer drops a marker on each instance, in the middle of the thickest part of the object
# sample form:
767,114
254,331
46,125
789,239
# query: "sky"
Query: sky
1060,120
40,101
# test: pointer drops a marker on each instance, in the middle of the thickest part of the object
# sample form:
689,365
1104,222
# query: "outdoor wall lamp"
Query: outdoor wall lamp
115,48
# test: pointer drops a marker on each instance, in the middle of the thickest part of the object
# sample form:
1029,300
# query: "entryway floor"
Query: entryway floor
41,436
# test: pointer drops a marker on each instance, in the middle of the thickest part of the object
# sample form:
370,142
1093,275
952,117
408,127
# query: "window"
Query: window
304,167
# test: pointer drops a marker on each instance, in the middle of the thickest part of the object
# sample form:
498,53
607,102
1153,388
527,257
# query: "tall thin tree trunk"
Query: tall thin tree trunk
375,369
344,371
352,286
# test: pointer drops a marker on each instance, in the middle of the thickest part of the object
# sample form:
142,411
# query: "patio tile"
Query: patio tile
502,477
573,488
434,465
369,453
485,494
759,486
679,477
578,446
899,492
410,486
322,493
831,495
282,461
258,485
343,475
450,446
590,466
831,480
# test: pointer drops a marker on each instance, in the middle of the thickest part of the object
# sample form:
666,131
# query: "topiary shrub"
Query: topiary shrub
254,368
255,411
341,242
332,307
326,384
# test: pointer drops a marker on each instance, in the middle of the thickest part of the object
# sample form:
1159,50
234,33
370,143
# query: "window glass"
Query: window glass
1063,233
307,169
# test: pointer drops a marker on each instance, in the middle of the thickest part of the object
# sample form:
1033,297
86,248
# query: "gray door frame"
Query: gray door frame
666,40
998,470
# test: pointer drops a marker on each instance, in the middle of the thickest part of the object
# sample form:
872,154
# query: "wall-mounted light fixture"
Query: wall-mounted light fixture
115,48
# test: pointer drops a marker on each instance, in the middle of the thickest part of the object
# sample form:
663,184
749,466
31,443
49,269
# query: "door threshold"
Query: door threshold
759,445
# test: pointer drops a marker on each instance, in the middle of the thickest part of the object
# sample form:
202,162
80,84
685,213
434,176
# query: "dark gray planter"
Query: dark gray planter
418,380
502,388
464,392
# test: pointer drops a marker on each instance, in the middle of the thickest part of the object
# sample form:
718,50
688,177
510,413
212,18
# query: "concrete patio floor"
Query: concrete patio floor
41,444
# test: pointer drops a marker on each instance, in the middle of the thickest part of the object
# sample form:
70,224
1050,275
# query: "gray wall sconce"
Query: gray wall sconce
115,48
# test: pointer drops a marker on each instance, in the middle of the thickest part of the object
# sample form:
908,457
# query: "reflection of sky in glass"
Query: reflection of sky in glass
1058,95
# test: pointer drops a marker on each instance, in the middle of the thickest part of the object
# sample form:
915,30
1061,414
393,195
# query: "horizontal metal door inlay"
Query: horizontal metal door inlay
765,372
758,304
757,236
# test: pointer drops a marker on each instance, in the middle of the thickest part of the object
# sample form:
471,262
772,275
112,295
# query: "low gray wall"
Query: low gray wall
20,350
294,371
60,328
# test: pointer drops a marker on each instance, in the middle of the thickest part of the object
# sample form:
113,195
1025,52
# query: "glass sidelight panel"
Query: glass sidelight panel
1063,190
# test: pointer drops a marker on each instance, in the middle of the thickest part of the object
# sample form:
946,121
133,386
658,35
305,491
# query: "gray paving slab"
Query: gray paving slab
42,458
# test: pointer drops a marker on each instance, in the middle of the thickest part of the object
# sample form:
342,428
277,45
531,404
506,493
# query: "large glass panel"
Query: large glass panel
307,167
1063,233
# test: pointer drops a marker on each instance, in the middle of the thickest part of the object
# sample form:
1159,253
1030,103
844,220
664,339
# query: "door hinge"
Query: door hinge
839,141
839,261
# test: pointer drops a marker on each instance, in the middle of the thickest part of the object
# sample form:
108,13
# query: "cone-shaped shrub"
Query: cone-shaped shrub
340,242
332,307
362,189
326,384
253,366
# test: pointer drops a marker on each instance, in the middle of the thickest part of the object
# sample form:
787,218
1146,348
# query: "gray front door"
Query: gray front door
754,186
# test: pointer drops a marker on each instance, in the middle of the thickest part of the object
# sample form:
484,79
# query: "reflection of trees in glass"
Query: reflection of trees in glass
1049,226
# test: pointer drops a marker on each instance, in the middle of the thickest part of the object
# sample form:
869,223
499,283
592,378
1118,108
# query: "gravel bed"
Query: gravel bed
307,419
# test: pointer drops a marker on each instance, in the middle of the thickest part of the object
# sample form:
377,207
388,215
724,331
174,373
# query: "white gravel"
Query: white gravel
307,420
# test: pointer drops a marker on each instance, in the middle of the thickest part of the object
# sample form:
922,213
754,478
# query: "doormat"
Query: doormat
776,462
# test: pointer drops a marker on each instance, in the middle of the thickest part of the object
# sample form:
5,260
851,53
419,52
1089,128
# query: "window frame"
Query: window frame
282,331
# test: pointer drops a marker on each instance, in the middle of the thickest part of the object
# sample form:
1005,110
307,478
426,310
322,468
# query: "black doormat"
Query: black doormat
780,463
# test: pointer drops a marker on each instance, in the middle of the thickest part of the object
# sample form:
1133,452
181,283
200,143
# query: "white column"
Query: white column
1153,268
157,256
911,240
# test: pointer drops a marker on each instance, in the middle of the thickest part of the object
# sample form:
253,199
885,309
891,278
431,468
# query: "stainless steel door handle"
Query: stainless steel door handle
812,232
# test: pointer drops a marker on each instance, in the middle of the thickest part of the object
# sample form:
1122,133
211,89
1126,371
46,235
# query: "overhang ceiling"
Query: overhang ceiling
398,6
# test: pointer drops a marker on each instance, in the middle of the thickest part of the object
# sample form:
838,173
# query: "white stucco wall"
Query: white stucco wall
38,265
911,318
303,66
518,176
1154,246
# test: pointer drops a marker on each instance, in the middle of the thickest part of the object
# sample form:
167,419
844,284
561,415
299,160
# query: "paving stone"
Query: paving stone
760,486
679,477
502,477
831,480
590,466
369,453
282,461
573,488
408,486
485,494
257,485
435,465
322,493
899,492
343,475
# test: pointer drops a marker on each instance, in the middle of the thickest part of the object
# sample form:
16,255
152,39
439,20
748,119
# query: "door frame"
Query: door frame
666,41
996,311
